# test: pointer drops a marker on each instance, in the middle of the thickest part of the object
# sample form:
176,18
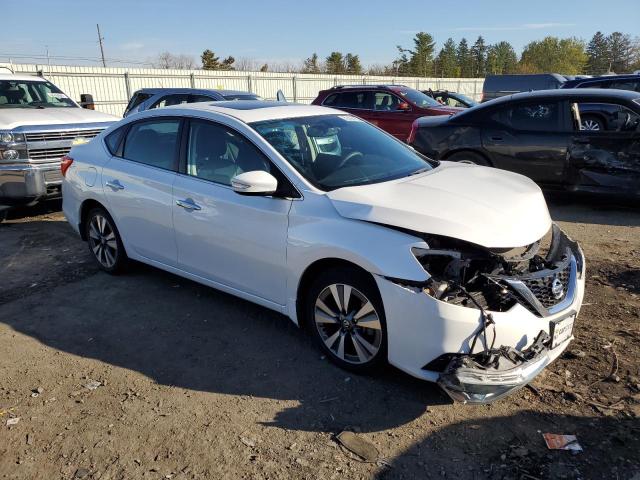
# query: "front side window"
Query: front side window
417,98
535,116
604,117
28,94
242,96
201,98
386,102
169,100
633,85
218,154
334,151
153,143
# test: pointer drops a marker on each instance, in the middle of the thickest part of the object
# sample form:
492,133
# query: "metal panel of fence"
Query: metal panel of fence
112,87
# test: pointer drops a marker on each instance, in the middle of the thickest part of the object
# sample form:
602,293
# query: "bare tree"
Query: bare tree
168,60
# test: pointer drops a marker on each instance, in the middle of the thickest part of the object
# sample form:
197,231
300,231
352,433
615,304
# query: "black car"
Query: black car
496,86
539,134
451,99
618,82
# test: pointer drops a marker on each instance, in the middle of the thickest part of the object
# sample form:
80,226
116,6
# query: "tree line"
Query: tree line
617,52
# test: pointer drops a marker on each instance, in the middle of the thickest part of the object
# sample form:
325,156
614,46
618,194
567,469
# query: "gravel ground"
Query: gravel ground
147,375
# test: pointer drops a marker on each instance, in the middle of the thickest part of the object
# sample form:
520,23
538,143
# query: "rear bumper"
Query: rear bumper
25,183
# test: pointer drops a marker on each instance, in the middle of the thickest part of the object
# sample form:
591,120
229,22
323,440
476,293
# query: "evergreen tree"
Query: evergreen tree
421,61
352,64
311,64
479,58
209,60
401,64
335,63
447,61
264,68
501,59
227,63
620,52
464,59
598,53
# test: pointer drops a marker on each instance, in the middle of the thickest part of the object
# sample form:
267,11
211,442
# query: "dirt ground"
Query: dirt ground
148,375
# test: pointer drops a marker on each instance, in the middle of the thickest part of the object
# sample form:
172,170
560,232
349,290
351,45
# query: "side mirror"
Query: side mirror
257,182
86,101
280,96
403,107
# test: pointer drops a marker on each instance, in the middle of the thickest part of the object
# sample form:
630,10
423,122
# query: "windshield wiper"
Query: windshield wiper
420,170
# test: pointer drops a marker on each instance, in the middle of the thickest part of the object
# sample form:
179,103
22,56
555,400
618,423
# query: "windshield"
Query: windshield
27,94
464,98
334,151
419,99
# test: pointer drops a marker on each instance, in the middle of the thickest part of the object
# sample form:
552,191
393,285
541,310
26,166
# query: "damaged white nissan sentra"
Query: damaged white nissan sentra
453,273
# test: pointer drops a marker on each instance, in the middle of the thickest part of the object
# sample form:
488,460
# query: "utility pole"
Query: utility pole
100,39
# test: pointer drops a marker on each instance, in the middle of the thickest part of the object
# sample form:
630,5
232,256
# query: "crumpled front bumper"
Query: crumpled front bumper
423,330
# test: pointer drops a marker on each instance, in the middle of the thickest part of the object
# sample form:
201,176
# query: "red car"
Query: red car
393,108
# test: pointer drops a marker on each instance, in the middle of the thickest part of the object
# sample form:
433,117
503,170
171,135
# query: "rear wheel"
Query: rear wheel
469,157
104,241
347,320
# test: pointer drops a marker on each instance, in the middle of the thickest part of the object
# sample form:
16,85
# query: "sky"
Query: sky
288,31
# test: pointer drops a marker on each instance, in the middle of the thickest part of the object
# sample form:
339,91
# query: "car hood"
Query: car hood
21,117
486,206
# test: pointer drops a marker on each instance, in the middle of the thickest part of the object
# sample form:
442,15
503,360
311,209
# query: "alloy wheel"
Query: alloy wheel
348,324
102,240
591,125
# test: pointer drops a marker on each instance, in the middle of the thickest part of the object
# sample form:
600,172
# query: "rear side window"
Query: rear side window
632,85
538,116
114,140
153,143
137,99
359,100
201,98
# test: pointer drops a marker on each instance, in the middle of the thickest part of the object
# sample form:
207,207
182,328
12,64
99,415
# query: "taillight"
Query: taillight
412,134
65,164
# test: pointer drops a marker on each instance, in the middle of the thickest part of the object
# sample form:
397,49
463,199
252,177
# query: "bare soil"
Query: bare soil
148,375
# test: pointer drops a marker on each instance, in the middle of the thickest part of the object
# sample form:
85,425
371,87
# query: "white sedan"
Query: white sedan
453,273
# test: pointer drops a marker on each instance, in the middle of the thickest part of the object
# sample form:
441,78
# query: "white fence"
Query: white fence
112,87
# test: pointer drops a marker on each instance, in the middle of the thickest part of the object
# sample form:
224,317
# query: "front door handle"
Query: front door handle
497,139
115,184
188,204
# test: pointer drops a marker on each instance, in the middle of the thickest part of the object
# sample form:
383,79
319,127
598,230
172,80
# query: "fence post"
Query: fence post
127,85
249,83
335,81
295,89
192,80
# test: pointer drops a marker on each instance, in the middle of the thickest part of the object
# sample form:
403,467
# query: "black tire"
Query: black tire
364,348
592,123
469,157
105,243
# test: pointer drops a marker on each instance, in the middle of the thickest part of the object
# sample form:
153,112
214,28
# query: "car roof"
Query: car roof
588,93
169,90
601,78
22,78
248,111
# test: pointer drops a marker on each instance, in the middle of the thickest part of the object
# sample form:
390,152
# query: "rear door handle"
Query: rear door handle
115,184
188,204
497,139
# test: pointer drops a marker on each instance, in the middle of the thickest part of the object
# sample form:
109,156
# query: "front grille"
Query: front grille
542,287
61,135
48,153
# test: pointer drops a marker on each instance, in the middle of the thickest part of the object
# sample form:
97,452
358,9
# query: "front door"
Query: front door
607,159
235,240
529,138
390,117
138,188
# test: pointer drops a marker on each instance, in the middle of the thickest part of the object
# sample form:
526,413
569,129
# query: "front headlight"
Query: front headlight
8,136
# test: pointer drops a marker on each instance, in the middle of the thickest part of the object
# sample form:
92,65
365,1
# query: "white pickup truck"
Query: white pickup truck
38,124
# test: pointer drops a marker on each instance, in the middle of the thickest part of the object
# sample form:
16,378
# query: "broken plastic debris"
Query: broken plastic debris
93,384
556,441
12,421
357,445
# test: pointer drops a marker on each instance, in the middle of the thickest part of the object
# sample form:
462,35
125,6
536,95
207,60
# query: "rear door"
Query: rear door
607,159
138,184
530,138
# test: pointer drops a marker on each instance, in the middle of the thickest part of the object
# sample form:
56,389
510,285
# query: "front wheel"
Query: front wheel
347,319
104,241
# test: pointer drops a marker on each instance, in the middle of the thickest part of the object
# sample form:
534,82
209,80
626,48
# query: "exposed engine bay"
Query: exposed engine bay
536,275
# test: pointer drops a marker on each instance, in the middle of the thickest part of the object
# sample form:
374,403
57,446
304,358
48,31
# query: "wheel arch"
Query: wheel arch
451,153
86,206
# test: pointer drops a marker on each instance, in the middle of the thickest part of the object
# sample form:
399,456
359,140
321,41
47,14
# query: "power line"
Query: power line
68,57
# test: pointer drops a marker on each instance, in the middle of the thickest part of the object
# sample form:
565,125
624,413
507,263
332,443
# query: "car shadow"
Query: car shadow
41,208
180,333
512,447
593,209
